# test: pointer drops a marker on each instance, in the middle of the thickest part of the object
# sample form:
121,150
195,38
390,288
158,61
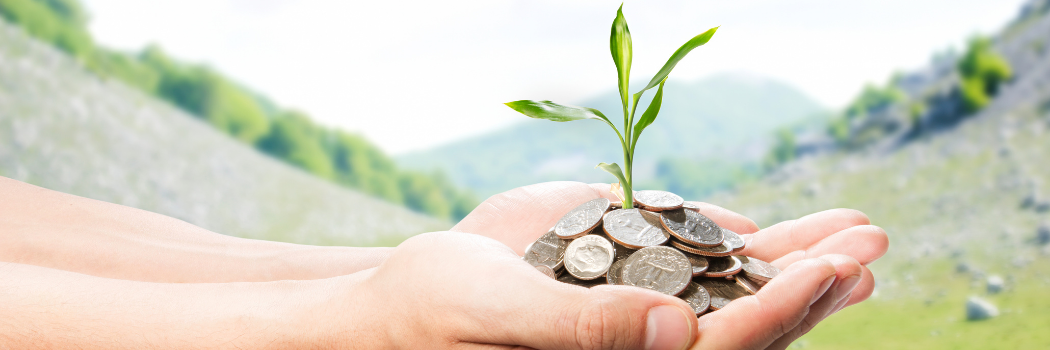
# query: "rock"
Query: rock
979,309
994,285
962,267
1042,234
1042,206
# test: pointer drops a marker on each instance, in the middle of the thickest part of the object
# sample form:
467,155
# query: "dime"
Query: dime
658,200
759,270
722,291
567,278
692,227
547,271
691,205
721,267
735,241
699,263
746,283
548,250
588,257
721,250
635,228
582,219
697,297
662,269
615,274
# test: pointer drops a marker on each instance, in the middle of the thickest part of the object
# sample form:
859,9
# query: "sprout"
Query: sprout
620,45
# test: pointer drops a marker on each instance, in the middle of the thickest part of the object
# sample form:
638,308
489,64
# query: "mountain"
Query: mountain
65,128
726,116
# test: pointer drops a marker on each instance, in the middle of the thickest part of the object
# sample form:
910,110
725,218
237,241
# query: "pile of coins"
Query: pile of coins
664,244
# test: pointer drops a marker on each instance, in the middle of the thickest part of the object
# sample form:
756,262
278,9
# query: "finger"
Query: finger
727,218
847,275
864,289
754,322
864,243
785,237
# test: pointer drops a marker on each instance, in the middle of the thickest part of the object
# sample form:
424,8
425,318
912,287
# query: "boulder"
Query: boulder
994,284
979,309
1042,234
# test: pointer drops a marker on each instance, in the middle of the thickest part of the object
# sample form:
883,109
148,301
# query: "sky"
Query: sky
414,74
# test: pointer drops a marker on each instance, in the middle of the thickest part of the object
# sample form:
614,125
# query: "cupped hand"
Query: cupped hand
823,256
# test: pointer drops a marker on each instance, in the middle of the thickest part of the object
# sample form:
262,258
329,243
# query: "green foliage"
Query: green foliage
981,70
234,110
60,22
699,178
838,129
784,148
296,139
873,98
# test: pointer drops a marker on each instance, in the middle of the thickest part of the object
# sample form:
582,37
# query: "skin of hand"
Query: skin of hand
822,255
66,232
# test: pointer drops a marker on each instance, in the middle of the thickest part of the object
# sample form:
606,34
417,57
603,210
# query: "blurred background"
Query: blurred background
363,123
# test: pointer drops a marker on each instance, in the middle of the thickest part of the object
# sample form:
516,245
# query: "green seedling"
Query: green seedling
620,45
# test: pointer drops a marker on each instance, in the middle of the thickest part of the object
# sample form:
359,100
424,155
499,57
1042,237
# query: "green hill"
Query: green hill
722,118
65,128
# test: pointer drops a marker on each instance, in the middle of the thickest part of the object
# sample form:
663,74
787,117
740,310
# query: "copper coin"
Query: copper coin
589,257
663,269
580,220
635,228
568,278
697,297
746,283
548,250
720,250
735,240
658,200
699,263
615,274
721,267
547,271
759,270
722,291
692,227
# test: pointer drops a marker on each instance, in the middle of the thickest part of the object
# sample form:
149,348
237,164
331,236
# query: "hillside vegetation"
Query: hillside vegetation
65,128
342,157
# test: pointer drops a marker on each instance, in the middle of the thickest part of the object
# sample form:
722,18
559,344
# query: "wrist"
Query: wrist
316,262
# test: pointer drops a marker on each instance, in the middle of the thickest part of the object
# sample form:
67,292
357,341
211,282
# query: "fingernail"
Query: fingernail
666,328
822,289
846,286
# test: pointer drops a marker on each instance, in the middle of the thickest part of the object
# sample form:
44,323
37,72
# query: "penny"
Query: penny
721,250
635,228
658,200
582,219
746,283
588,257
662,269
759,270
697,297
692,227
548,250
547,271
615,274
721,267
699,263
735,241
567,278
722,291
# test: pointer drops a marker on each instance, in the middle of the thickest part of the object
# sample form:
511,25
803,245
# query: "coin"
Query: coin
548,250
635,228
622,252
720,250
547,271
754,282
588,257
697,297
699,263
567,278
658,200
691,205
746,283
615,274
721,267
582,219
735,241
662,269
759,270
722,291
692,227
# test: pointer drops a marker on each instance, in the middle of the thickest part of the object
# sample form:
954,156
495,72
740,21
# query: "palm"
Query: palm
781,312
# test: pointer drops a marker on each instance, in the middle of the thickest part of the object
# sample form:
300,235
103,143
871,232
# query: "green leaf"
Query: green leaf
616,171
693,43
555,112
650,114
620,45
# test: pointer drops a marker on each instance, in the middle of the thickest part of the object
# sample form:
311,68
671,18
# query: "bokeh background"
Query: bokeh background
363,123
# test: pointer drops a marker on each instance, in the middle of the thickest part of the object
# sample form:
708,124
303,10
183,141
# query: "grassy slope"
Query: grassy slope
65,129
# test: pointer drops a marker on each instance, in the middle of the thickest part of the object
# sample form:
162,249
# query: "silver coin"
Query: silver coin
735,241
580,220
758,270
698,262
658,200
567,278
692,227
621,251
548,250
717,251
663,269
589,257
635,228
746,283
615,274
546,271
697,297
691,205
722,291
721,267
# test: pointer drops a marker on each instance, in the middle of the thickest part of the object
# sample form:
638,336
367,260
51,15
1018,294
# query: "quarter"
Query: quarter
697,297
721,267
758,270
662,269
635,228
735,241
582,219
692,227
658,200
547,271
615,274
699,263
722,291
717,251
548,250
